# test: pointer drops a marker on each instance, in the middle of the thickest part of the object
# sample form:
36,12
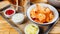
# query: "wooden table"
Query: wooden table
5,28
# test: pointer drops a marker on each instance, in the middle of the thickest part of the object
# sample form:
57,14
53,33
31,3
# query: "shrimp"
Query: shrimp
41,17
47,11
51,16
32,13
41,14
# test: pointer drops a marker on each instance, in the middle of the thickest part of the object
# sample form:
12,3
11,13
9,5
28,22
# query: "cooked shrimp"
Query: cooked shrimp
32,13
47,11
41,14
41,17
51,16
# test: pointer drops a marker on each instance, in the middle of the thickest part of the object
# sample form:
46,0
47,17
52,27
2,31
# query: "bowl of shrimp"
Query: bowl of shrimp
42,14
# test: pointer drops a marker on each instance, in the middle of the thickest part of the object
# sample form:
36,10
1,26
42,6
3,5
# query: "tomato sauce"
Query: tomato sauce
9,12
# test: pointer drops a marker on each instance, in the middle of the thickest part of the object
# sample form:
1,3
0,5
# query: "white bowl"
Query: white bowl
56,15
18,18
34,25
8,16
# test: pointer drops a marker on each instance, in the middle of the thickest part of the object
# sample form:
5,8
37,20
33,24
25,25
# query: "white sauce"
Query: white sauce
17,18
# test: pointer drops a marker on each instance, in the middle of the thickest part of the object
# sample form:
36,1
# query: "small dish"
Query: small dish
9,12
55,12
18,18
34,29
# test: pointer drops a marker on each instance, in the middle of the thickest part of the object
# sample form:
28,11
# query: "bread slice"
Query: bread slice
4,4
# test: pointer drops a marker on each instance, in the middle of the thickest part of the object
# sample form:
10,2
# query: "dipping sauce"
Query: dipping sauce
31,29
18,18
9,12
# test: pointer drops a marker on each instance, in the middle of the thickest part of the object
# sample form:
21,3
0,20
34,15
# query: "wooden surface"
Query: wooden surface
56,28
5,28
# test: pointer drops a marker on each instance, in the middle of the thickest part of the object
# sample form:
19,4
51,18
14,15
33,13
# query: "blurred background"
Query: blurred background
20,2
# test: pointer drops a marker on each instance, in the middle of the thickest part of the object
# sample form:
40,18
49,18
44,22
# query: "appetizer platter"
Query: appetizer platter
38,19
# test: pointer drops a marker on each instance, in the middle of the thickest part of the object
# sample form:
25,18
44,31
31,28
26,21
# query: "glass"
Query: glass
23,3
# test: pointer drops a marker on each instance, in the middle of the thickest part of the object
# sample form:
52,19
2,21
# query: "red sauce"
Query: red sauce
9,12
